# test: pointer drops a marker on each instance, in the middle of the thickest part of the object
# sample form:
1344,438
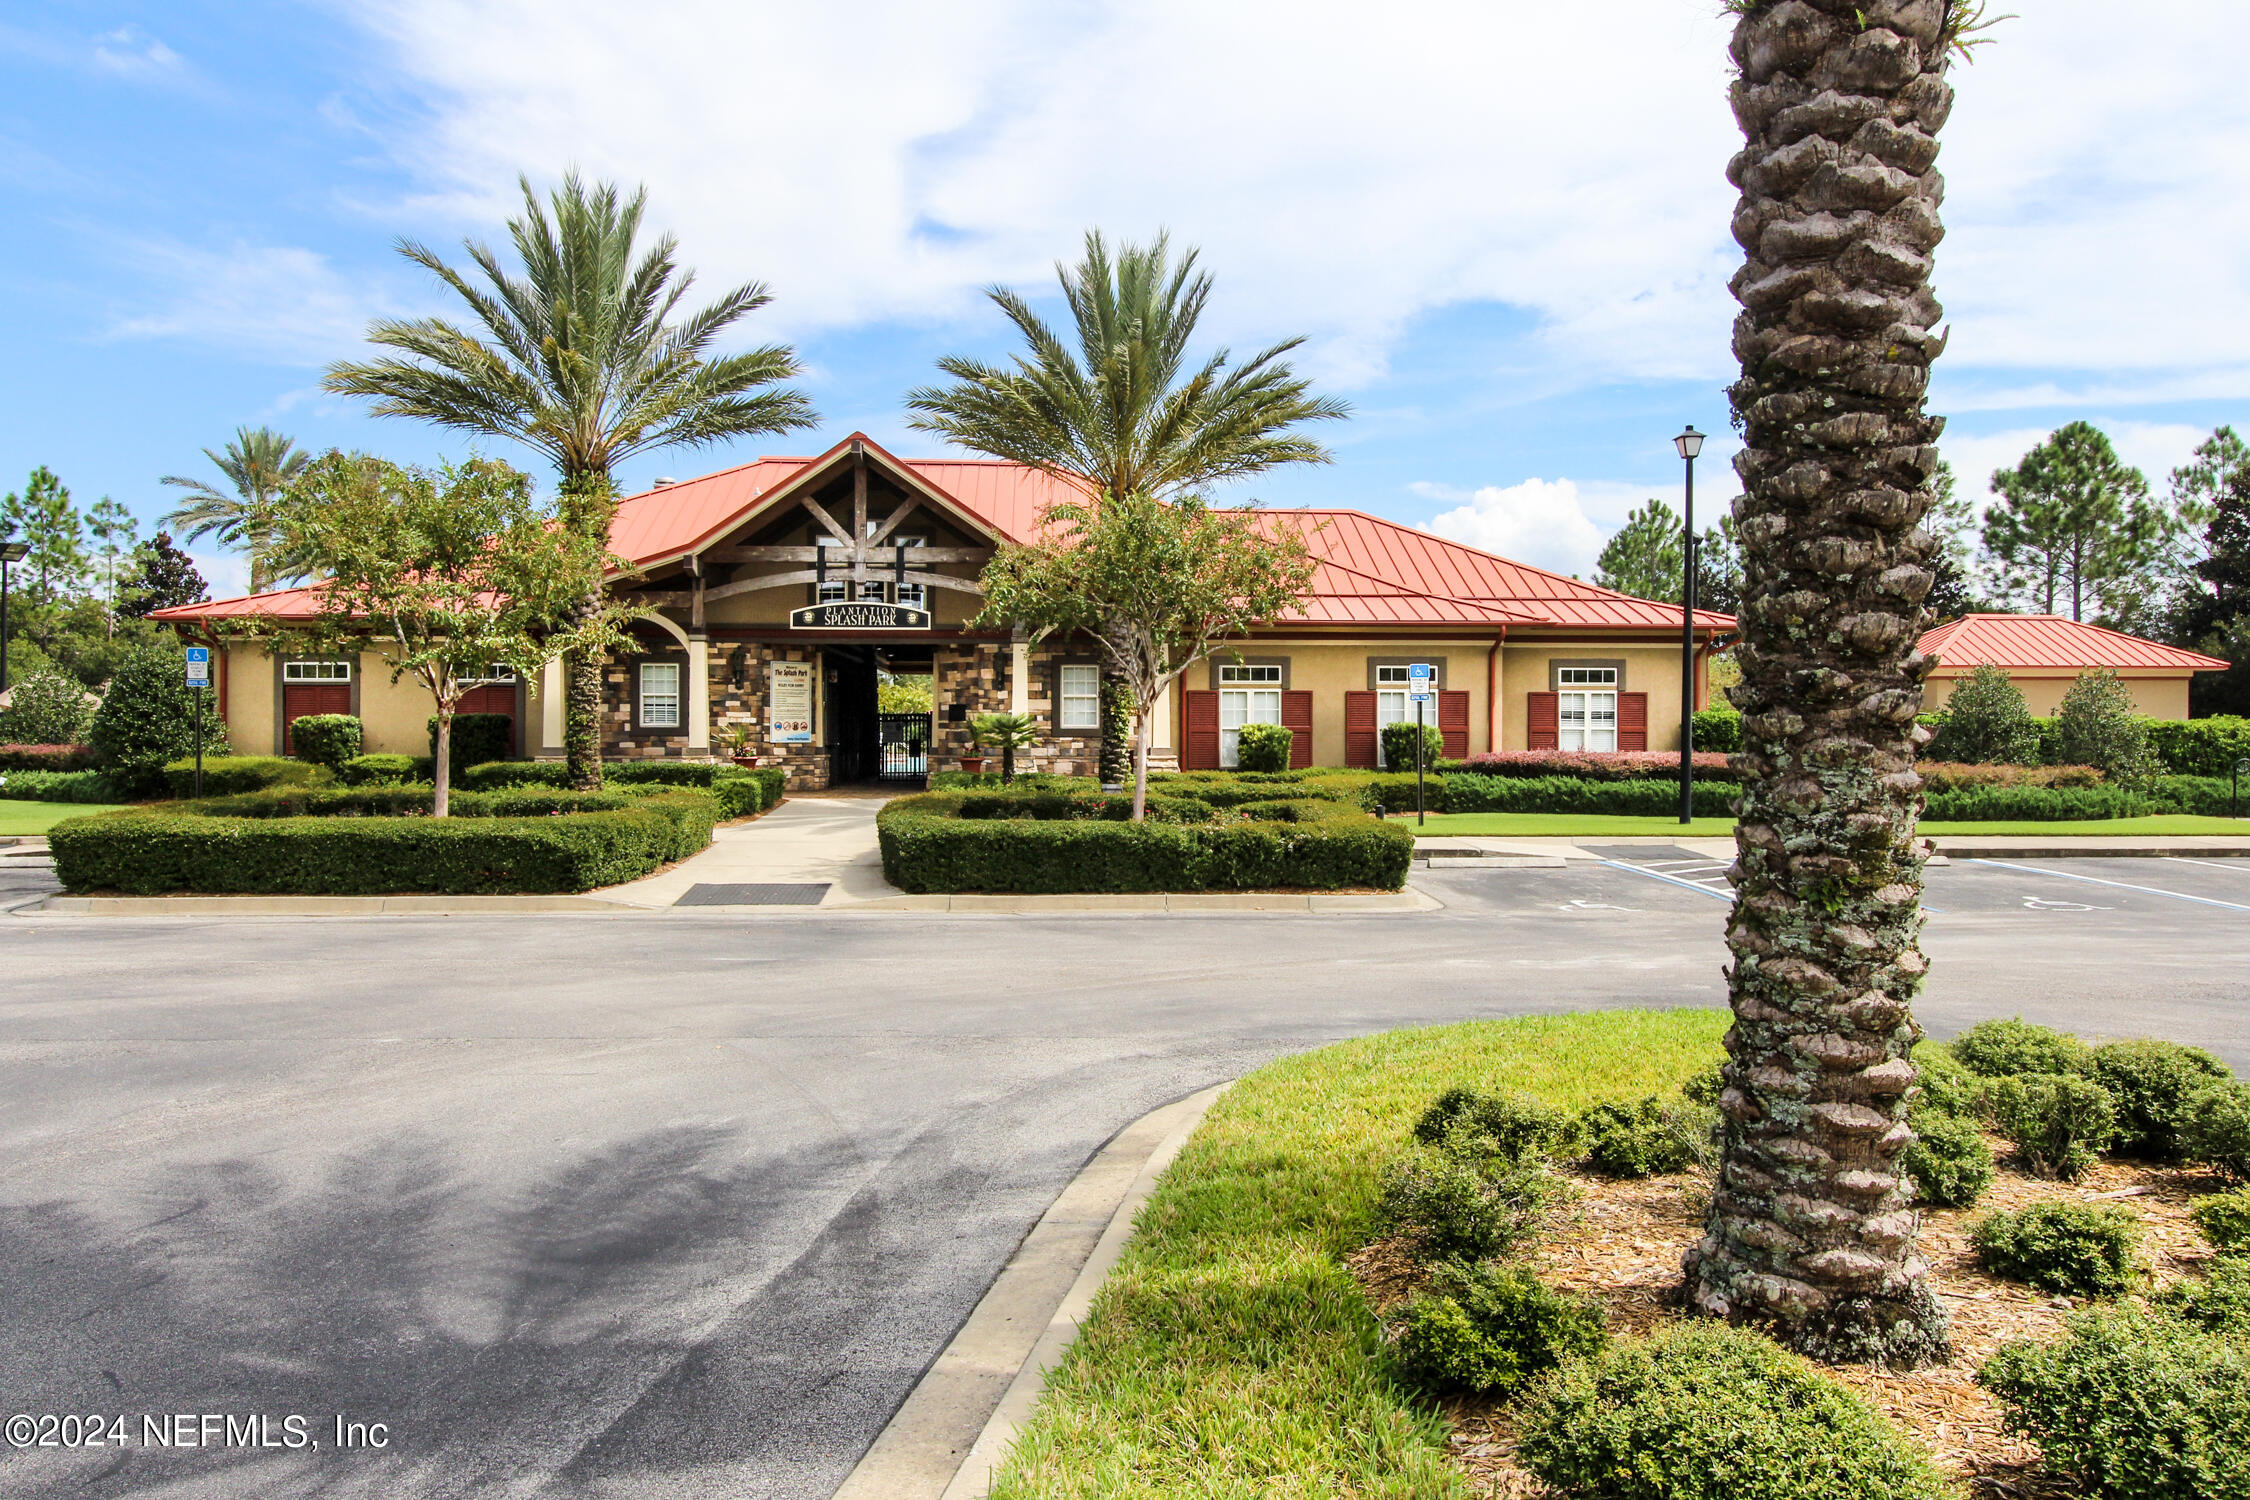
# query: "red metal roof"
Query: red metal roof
2052,643
1371,571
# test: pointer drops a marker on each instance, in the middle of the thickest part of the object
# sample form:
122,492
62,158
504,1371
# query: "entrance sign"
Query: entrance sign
1419,687
789,703
199,666
860,614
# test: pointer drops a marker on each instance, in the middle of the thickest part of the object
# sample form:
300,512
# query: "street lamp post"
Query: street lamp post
10,552
1690,443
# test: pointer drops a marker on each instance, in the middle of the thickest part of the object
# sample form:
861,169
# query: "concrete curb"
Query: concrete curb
1408,900
956,1424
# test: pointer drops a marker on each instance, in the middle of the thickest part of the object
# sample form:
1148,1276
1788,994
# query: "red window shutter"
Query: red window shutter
1359,730
1453,723
302,699
1632,721
1296,717
1199,745
1543,722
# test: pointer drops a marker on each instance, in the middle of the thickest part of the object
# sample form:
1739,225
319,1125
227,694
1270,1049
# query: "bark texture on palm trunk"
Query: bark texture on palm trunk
1811,1228
587,505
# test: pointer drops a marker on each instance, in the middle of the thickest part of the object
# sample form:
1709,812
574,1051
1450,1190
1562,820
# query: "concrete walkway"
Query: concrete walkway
806,840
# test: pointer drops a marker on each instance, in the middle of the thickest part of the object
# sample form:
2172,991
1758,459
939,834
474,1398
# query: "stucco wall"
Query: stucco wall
1526,669
2157,697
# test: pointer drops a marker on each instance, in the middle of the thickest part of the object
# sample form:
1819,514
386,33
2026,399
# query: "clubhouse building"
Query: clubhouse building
771,599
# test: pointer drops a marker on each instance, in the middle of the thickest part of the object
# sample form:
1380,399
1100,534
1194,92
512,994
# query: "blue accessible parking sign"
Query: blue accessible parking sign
1418,685
199,666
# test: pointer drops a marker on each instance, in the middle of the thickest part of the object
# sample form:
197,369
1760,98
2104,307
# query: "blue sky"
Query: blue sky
1519,284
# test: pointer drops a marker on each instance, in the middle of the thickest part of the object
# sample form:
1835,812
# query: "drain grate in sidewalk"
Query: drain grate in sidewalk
753,895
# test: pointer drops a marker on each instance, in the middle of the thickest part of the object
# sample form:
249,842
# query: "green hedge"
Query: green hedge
2033,804
327,739
236,773
150,853
930,843
59,786
2204,796
46,757
2200,747
741,790
1718,729
476,739
386,770
1563,794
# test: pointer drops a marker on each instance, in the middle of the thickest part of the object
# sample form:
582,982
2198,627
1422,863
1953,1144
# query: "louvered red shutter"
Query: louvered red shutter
1199,744
1543,721
303,699
1359,730
1453,723
1296,717
1632,721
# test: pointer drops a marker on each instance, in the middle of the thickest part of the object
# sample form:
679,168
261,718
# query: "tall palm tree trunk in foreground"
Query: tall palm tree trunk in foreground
1811,1228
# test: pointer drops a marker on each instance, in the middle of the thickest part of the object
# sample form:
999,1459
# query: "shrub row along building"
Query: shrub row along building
770,598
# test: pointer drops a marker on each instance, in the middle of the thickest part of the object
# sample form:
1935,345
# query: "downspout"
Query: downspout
1492,693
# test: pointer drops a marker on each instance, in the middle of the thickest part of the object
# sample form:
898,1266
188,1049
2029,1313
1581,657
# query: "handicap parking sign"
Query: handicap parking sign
1418,685
198,666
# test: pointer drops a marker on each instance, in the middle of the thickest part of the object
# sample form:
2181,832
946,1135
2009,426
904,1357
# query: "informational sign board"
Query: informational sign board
199,666
789,692
1421,687
861,614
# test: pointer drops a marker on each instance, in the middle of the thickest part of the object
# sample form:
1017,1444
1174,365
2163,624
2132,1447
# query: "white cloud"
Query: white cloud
132,53
1347,168
274,301
1542,522
225,574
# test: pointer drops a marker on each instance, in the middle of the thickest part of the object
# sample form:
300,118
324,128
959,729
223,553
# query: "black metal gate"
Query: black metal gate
905,742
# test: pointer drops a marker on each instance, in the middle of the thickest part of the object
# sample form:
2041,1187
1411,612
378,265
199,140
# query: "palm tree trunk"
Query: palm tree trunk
1811,1228
587,503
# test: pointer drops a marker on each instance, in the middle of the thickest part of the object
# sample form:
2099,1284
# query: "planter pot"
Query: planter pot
745,760
972,765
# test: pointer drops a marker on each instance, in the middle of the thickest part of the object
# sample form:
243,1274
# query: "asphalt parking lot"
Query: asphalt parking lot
681,1204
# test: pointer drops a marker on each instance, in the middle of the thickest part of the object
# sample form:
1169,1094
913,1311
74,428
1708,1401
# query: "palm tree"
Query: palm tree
258,463
1811,1227
581,357
1119,414
1125,421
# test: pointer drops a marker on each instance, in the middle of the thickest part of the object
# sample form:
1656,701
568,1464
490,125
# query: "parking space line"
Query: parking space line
2231,866
1685,885
2149,890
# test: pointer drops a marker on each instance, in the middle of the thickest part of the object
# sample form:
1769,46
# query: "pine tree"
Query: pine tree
1643,558
2075,525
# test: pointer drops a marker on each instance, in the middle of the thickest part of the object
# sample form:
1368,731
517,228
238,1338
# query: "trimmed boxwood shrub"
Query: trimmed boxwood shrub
2197,796
1711,763
1642,797
59,786
741,790
2200,747
2215,1128
1445,1208
1265,747
2034,804
2224,1218
2059,1123
2080,1249
2151,1082
1399,740
928,845
1492,1329
1510,1127
2219,1299
1648,1137
1947,1160
46,757
1998,1048
326,739
151,853
1707,1412
1717,730
237,773
1948,1087
385,770
2134,1407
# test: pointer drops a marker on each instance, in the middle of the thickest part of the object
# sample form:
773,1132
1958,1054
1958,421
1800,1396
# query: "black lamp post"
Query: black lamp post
1690,443
10,552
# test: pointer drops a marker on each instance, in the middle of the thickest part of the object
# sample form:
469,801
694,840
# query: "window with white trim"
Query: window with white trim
1586,708
660,695
497,672
1394,704
1247,673
913,595
1246,698
836,589
316,671
1080,691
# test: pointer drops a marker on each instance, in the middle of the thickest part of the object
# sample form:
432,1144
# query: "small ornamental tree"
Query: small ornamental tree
1157,585
164,577
2098,725
448,571
1987,721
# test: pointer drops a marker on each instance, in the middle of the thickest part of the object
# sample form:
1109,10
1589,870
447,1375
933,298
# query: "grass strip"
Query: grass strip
1231,1353
18,818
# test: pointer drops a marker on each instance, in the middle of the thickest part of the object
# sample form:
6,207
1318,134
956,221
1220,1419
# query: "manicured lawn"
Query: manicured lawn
1231,1353
1577,825
1563,825
38,817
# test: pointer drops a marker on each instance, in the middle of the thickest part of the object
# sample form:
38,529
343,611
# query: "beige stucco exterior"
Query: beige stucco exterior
395,716
2156,697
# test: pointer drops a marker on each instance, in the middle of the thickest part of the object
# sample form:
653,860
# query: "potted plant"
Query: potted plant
1006,733
738,741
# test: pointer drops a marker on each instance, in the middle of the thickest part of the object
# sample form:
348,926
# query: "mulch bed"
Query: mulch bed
1621,1242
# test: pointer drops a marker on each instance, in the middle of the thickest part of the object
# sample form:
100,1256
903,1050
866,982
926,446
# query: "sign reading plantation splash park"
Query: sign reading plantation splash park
859,615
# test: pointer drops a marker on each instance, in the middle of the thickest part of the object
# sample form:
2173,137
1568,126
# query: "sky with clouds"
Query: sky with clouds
1513,267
